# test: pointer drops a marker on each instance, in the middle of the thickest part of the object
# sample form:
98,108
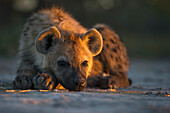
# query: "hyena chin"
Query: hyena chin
55,48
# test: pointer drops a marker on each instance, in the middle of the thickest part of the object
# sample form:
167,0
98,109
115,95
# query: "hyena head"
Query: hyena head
69,56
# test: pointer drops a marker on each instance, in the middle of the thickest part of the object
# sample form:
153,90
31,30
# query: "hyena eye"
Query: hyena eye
85,63
62,64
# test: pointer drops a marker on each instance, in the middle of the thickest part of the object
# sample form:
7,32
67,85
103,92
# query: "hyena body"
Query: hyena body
55,48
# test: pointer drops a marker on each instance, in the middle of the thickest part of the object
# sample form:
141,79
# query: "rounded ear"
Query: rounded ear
46,38
94,41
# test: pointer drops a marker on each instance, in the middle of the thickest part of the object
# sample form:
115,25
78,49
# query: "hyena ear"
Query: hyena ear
94,41
46,38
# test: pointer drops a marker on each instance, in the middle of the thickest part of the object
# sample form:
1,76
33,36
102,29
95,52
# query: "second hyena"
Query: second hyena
55,48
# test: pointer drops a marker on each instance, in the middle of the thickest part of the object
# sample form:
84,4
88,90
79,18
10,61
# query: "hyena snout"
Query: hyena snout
79,82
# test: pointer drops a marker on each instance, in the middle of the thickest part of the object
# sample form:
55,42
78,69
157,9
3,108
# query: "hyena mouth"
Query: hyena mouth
72,86
78,88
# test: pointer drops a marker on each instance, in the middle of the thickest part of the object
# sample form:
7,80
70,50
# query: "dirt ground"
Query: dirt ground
149,93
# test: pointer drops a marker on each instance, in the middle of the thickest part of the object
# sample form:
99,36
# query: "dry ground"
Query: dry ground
150,93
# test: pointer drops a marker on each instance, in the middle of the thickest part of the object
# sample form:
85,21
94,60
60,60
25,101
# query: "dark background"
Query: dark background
144,25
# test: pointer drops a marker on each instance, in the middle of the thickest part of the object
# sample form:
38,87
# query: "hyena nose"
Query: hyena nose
79,82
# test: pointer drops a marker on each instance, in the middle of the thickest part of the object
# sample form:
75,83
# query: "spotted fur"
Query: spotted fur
113,61
52,39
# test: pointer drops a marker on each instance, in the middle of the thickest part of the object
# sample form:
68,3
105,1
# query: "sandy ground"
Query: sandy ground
149,93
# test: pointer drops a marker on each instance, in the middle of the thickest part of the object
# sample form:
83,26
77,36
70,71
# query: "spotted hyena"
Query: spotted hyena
55,48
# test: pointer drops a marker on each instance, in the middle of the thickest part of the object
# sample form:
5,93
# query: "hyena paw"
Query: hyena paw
23,81
43,81
109,82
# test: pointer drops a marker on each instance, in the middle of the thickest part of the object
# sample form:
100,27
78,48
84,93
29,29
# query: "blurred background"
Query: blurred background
143,25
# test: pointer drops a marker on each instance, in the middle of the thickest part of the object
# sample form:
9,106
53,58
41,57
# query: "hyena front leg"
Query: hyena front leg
109,81
114,81
45,80
24,77
26,69
31,79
